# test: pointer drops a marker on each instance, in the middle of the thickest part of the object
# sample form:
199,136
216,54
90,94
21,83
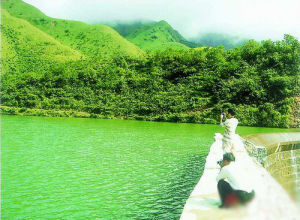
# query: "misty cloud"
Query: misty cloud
258,19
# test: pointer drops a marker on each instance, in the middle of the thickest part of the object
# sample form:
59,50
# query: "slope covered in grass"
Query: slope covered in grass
26,48
91,40
152,36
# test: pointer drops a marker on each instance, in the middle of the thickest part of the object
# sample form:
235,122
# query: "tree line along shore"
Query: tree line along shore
259,80
52,67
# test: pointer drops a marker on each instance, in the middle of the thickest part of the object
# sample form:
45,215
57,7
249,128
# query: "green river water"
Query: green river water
66,168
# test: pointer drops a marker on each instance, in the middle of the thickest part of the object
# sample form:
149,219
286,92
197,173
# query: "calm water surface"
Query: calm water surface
66,168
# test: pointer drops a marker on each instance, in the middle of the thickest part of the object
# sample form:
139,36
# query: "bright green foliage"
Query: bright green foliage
179,86
91,40
153,36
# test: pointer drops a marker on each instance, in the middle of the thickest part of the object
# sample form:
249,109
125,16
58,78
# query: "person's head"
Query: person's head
228,158
231,113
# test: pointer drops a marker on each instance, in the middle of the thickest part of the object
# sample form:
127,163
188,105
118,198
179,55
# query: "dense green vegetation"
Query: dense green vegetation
260,80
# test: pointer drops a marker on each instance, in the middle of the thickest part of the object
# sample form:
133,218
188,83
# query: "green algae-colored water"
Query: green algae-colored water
66,168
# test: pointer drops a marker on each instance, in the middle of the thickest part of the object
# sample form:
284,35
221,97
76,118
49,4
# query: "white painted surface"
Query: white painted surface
270,202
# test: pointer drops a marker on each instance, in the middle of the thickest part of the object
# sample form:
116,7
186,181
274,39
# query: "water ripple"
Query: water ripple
106,169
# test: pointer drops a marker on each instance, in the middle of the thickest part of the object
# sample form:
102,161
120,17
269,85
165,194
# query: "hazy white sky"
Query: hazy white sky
258,19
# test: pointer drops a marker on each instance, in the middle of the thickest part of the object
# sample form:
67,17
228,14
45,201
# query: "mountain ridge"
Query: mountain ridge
91,40
153,35
23,43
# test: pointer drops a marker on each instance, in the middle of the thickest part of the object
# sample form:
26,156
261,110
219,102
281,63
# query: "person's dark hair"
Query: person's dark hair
229,157
231,111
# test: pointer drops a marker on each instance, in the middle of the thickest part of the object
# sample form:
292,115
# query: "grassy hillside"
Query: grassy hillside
91,40
152,36
26,48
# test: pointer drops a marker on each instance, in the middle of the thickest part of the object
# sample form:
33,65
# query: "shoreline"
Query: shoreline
172,117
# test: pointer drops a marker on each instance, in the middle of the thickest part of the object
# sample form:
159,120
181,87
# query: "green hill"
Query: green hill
127,28
153,35
91,40
26,48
